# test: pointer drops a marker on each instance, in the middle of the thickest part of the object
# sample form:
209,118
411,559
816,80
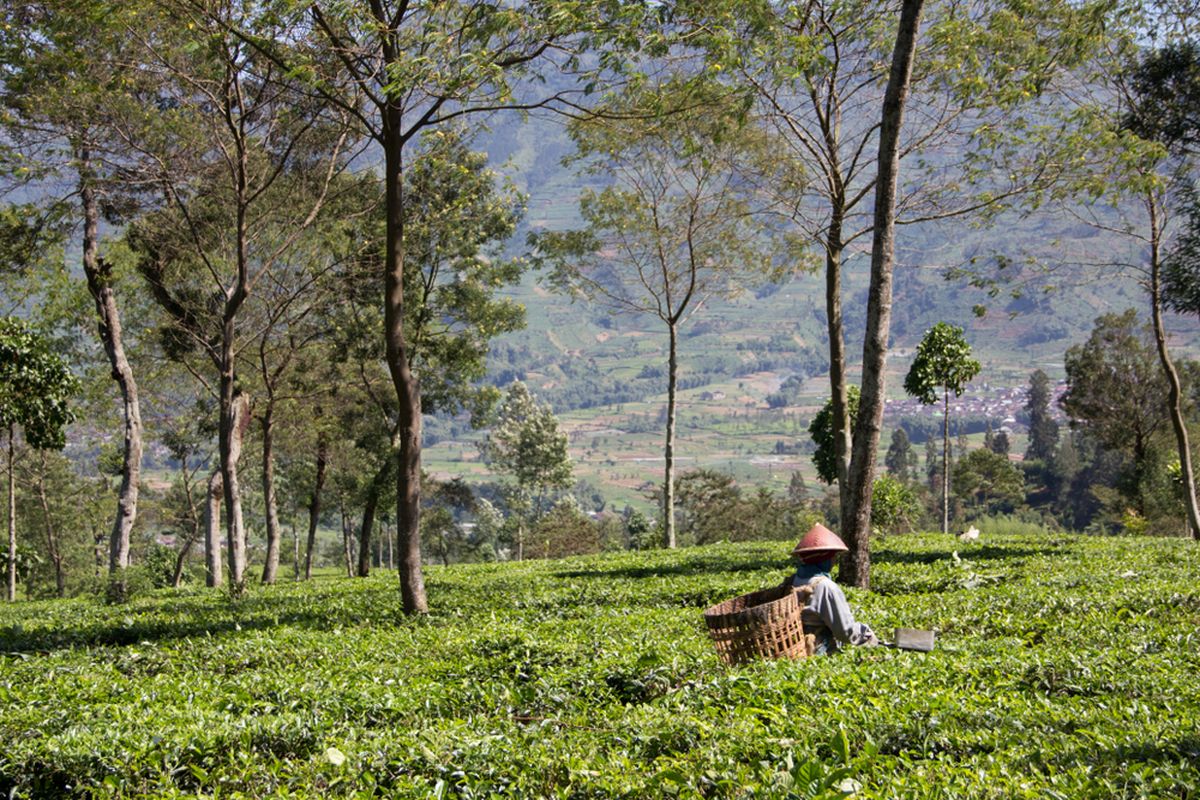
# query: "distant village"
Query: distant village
1000,403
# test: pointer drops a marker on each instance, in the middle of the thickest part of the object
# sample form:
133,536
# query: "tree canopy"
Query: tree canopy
943,361
36,386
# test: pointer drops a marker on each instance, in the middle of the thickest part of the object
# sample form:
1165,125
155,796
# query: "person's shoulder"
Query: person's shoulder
822,585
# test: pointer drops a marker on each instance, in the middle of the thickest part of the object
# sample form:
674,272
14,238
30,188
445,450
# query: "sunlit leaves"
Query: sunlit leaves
36,386
593,677
943,361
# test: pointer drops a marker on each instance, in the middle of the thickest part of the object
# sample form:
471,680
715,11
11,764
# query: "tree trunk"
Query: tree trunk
314,504
12,522
233,420
234,415
193,525
945,460
856,529
669,449
1174,389
387,532
838,391
212,530
347,536
295,549
408,395
99,281
60,584
368,521
271,566
181,560
98,550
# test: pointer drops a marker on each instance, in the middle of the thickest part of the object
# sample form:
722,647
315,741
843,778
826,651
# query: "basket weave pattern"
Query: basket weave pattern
762,624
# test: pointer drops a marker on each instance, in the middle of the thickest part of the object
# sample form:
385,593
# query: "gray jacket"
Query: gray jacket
829,618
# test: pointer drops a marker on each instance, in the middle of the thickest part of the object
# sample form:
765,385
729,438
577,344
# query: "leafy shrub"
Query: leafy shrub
895,507
158,564
1014,525
592,677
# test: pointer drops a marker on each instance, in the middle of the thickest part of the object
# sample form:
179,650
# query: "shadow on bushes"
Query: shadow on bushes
694,566
260,613
985,553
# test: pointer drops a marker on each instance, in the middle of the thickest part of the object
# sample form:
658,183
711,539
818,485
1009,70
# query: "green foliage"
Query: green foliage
707,506
943,362
895,506
157,567
525,442
29,562
1043,430
27,232
901,459
639,530
710,506
1012,525
788,394
457,222
987,482
821,430
1181,266
1116,389
683,222
35,386
1165,102
62,516
593,677
564,531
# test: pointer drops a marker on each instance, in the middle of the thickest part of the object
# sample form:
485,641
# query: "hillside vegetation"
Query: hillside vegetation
1066,667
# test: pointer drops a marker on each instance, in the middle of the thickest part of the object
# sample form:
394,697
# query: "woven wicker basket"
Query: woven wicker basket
763,624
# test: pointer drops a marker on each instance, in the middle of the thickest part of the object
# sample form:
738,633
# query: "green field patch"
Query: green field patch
1065,667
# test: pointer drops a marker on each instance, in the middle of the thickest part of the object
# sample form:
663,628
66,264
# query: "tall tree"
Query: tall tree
683,222
988,482
943,362
901,459
245,177
817,70
1140,145
68,94
1043,430
295,318
1116,392
457,224
856,526
1165,108
35,388
525,443
417,67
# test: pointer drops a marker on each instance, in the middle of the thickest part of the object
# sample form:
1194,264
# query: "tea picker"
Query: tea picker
805,615
826,614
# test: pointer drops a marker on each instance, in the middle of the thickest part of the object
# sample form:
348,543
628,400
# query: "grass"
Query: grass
1065,667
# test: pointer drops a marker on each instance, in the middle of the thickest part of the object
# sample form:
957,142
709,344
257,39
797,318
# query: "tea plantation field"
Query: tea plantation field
1066,668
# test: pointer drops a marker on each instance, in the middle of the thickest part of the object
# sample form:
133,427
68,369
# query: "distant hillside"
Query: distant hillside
1057,303
605,375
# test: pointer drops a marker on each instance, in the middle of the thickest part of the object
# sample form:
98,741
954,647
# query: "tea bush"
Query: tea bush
1066,667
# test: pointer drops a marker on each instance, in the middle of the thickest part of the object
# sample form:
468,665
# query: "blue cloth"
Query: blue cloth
806,572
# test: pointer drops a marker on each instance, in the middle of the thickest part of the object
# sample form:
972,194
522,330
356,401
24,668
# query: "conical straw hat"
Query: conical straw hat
819,543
